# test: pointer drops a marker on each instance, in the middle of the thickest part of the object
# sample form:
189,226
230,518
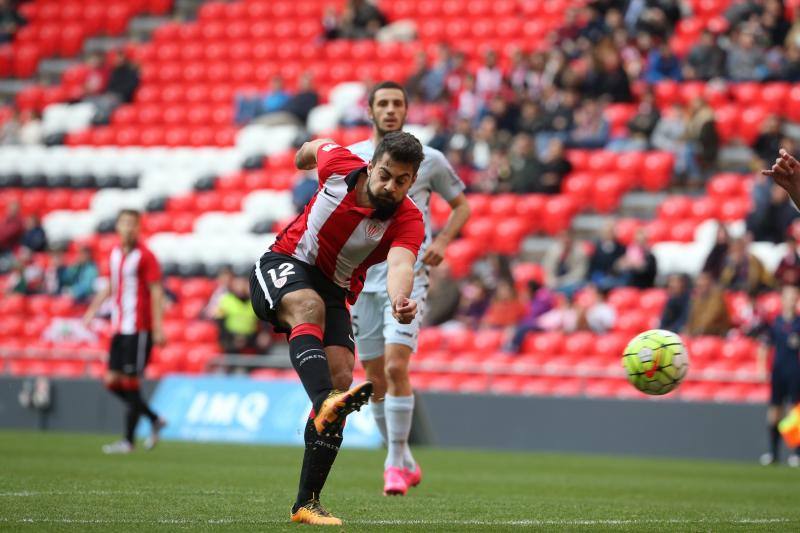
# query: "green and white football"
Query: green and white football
656,361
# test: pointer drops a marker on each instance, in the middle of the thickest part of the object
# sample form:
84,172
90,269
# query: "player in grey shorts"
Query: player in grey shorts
384,346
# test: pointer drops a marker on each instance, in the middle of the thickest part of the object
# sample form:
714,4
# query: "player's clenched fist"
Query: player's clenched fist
404,310
786,173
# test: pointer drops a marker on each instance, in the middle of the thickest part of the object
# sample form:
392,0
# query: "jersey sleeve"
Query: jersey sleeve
151,270
444,179
334,159
410,231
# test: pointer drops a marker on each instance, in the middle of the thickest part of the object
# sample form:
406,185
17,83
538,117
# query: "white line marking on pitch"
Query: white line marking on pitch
400,522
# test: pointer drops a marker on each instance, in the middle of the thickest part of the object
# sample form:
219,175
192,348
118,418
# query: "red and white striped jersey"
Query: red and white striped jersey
336,235
131,276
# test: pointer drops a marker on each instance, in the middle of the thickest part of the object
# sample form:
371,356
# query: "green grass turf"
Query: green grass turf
61,482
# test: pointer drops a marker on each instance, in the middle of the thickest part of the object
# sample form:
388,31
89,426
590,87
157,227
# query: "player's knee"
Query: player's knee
396,370
342,378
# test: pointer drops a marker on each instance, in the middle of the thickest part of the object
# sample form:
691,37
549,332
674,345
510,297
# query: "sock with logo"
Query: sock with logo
318,458
309,361
399,412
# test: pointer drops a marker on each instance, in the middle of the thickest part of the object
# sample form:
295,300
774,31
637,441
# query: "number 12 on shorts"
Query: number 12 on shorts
279,280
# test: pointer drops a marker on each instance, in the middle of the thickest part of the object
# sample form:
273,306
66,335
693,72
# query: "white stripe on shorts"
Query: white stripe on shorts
263,283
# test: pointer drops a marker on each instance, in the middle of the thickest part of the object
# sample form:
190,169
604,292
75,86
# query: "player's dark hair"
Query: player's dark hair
387,84
131,212
402,147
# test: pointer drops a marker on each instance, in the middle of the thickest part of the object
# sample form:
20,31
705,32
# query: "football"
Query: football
656,361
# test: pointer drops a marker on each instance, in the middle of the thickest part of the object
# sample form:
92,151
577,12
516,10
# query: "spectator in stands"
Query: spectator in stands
531,119
484,141
433,85
595,315
607,78
489,77
9,130
746,59
224,280
123,79
788,271
96,76
773,212
82,276
540,301
304,100
473,303
670,135
415,83
563,318
331,24
304,189
249,107
702,143
492,270
591,128
56,276
706,59
662,64
768,142
10,21
774,22
565,264
525,167
743,271
34,238
676,310
607,251
443,296
361,20
640,127
708,314
750,318
505,308
11,229
504,113
716,257
26,277
238,323
638,266
555,167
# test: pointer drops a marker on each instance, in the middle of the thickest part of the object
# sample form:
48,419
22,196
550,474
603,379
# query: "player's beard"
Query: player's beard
384,206
382,132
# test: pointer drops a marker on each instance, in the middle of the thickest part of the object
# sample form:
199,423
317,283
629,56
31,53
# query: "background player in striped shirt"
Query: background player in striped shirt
360,216
384,346
137,305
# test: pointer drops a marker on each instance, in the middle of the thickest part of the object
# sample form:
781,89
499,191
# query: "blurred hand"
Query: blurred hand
434,254
404,310
785,172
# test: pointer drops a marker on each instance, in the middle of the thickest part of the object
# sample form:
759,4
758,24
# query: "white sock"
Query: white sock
399,411
380,417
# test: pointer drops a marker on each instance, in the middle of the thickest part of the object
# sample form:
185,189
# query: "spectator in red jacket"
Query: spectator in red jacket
11,229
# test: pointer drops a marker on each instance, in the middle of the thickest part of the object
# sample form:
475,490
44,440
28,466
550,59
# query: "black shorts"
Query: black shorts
276,275
784,387
129,354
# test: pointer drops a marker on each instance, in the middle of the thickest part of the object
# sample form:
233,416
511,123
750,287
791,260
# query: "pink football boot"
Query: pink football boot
394,484
413,477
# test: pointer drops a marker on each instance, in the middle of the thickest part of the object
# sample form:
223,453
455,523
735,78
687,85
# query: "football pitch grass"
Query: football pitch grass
61,482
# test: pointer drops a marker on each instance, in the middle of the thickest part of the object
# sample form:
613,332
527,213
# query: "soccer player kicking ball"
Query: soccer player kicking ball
136,292
360,216
385,346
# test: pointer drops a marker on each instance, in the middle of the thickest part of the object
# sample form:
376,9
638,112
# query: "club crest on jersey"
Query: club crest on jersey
374,229
280,282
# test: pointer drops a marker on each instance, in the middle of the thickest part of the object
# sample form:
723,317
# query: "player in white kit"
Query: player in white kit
385,346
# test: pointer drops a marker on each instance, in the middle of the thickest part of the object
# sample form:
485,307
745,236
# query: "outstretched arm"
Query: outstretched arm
399,282
306,156
434,254
786,173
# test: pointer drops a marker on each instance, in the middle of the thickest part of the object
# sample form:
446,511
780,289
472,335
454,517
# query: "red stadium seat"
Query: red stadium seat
657,171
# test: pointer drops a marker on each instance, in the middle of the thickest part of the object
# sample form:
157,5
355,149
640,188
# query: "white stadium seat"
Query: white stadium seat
69,225
259,139
323,118
107,203
347,94
268,204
